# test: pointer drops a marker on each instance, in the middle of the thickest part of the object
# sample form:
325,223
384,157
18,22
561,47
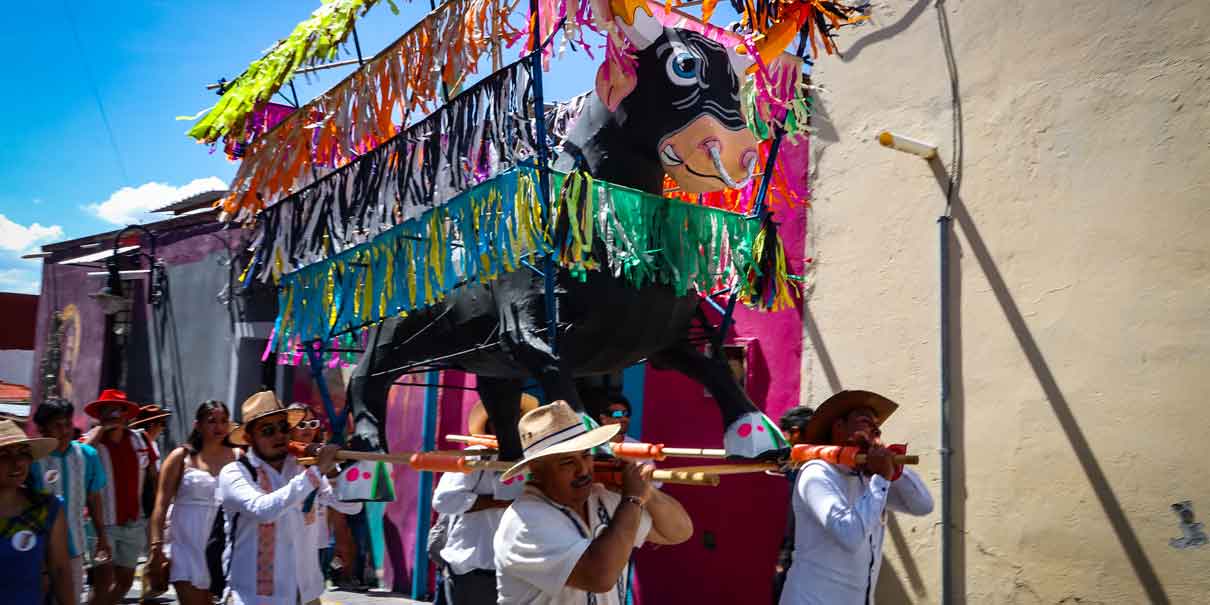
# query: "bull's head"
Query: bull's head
681,101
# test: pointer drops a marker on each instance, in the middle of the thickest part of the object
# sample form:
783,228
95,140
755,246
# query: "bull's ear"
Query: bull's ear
614,83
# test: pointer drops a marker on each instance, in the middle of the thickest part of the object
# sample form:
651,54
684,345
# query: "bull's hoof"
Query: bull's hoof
754,436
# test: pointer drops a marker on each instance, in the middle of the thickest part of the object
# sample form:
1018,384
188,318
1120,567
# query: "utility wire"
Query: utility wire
951,64
96,94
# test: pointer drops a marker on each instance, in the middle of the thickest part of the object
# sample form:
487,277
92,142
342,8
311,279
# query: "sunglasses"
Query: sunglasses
272,429
18,451
619,414
308,424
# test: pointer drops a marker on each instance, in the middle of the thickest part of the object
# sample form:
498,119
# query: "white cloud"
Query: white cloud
134,204
19,238
22,281
18,274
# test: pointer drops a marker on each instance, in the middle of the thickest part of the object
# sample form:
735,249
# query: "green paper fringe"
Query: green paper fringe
491,228
315,40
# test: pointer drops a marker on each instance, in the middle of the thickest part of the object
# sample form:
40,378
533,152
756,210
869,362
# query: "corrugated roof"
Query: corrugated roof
194,202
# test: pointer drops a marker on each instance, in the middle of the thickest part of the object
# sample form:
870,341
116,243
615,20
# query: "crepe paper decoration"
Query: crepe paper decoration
258,122
361,112
776,23
316,40
491,228
483,131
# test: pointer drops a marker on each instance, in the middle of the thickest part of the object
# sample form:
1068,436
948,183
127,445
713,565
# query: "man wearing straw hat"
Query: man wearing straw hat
839,511
262,494
568,540
474,503
129,464
151,421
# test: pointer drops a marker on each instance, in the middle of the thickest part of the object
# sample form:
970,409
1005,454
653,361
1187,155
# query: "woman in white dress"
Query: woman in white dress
187,486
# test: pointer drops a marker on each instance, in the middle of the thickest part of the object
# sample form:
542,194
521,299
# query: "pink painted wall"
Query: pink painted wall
746,514
405,423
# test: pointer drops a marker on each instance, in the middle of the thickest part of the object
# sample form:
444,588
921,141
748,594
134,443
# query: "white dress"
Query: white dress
192,519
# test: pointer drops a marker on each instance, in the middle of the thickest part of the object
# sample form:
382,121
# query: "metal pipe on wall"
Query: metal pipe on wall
947,572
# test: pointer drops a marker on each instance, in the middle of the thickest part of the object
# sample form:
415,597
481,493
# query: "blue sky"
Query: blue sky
148,62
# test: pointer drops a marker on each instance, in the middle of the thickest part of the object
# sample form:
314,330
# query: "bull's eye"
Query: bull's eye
682,68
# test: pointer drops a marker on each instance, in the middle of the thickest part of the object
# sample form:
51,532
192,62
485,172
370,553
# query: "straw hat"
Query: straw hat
556,429
112,397
476,419
261,405
11,434
818,428
149,413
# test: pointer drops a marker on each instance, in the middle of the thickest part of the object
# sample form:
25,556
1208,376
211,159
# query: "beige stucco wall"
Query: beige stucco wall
1082,296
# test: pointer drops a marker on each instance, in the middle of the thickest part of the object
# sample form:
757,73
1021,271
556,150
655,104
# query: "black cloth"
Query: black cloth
214,555
475,588
785,553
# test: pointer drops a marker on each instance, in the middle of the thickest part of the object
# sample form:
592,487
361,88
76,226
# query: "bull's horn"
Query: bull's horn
636,21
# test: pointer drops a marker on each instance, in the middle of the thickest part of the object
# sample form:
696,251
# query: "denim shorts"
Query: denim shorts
128,542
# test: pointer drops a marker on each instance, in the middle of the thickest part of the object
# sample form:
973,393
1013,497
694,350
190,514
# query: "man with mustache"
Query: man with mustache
568,540
839,511
262,494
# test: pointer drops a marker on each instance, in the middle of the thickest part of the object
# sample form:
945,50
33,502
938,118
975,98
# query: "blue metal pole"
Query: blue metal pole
548,263
317,373
424,492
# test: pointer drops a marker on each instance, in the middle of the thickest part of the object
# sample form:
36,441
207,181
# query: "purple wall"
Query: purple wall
66,289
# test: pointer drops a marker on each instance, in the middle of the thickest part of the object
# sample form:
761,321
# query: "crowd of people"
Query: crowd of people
79,512
233,515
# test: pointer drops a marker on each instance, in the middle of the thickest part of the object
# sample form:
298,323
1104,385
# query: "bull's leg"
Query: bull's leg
502,399
367,394
523,324
747,432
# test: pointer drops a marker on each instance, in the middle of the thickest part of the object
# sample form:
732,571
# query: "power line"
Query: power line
96,94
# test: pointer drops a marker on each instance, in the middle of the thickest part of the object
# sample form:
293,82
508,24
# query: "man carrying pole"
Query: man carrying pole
839,509
474,503
263,493
568,540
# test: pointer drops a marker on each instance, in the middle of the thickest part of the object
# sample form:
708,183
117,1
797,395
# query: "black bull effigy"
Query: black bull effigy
679,113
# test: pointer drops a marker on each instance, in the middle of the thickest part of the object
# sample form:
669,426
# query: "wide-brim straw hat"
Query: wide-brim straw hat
11,434
818,428
556,429
476,419
112,397
149,413
262,405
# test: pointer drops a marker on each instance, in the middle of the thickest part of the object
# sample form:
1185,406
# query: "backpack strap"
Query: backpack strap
235,521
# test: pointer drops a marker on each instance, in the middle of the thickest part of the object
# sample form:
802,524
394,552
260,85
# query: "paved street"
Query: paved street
332,597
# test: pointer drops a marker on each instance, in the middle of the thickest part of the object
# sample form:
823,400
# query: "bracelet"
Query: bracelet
635,499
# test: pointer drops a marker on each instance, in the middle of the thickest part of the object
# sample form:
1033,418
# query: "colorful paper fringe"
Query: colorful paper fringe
355,116
316,40
777,23
483,131
489,229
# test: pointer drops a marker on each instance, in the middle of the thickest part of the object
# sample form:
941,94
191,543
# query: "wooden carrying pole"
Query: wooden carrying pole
459,462
836,454
607,474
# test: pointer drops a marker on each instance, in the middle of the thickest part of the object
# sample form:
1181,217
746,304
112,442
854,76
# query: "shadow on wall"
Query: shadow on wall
1131,546
885,33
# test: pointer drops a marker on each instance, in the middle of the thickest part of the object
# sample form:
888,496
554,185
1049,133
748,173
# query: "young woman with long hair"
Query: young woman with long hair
33,531
187,484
